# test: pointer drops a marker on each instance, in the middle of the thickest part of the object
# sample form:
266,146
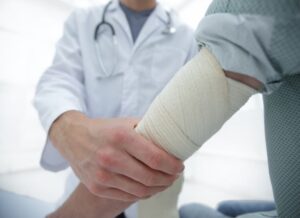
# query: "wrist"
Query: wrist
70,118
65,128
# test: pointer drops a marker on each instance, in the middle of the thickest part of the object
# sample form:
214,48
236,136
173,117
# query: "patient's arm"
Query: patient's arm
190,109
195,104
82,203
247,80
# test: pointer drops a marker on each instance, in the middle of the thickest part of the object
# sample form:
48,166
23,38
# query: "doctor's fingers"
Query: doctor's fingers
120,162
154,156
124,184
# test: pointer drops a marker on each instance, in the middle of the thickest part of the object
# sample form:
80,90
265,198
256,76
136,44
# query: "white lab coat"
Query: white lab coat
75,80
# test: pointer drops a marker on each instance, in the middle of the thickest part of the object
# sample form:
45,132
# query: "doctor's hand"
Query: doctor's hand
111,159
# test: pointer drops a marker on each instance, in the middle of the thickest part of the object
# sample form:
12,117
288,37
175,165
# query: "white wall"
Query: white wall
231,165
28,31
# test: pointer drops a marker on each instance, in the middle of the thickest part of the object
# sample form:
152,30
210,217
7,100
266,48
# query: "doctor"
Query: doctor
109,65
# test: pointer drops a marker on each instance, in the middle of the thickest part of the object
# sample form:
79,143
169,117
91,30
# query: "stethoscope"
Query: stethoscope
169,30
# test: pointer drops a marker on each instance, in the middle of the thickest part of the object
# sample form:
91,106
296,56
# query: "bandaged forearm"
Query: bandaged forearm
193,106
189,110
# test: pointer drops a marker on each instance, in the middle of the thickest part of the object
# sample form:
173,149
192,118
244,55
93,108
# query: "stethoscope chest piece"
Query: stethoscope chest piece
169,30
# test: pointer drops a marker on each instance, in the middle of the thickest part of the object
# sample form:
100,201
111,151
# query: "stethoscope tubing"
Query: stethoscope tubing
170,29
104,22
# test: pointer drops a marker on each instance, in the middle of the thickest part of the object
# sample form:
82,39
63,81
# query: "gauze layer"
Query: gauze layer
193,106
190,109
163,204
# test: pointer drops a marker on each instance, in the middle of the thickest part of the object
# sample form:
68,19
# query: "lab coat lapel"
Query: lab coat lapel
120,19
157,18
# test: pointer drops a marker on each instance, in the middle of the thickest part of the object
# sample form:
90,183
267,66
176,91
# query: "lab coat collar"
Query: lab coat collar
161,13
114,6
152,24
119,16
157,18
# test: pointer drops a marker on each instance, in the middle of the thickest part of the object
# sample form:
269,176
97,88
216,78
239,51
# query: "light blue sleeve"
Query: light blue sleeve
241,43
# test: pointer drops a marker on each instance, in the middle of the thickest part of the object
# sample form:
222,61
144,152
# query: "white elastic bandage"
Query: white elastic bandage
191,108
163,204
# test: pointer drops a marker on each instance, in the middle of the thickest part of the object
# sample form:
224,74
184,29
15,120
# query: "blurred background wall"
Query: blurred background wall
232,165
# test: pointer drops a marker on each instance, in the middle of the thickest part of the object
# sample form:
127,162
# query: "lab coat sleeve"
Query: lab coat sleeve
60,89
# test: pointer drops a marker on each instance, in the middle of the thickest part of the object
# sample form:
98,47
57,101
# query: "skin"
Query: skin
139,5
247,80
115,165
106,208
111,159
83,203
